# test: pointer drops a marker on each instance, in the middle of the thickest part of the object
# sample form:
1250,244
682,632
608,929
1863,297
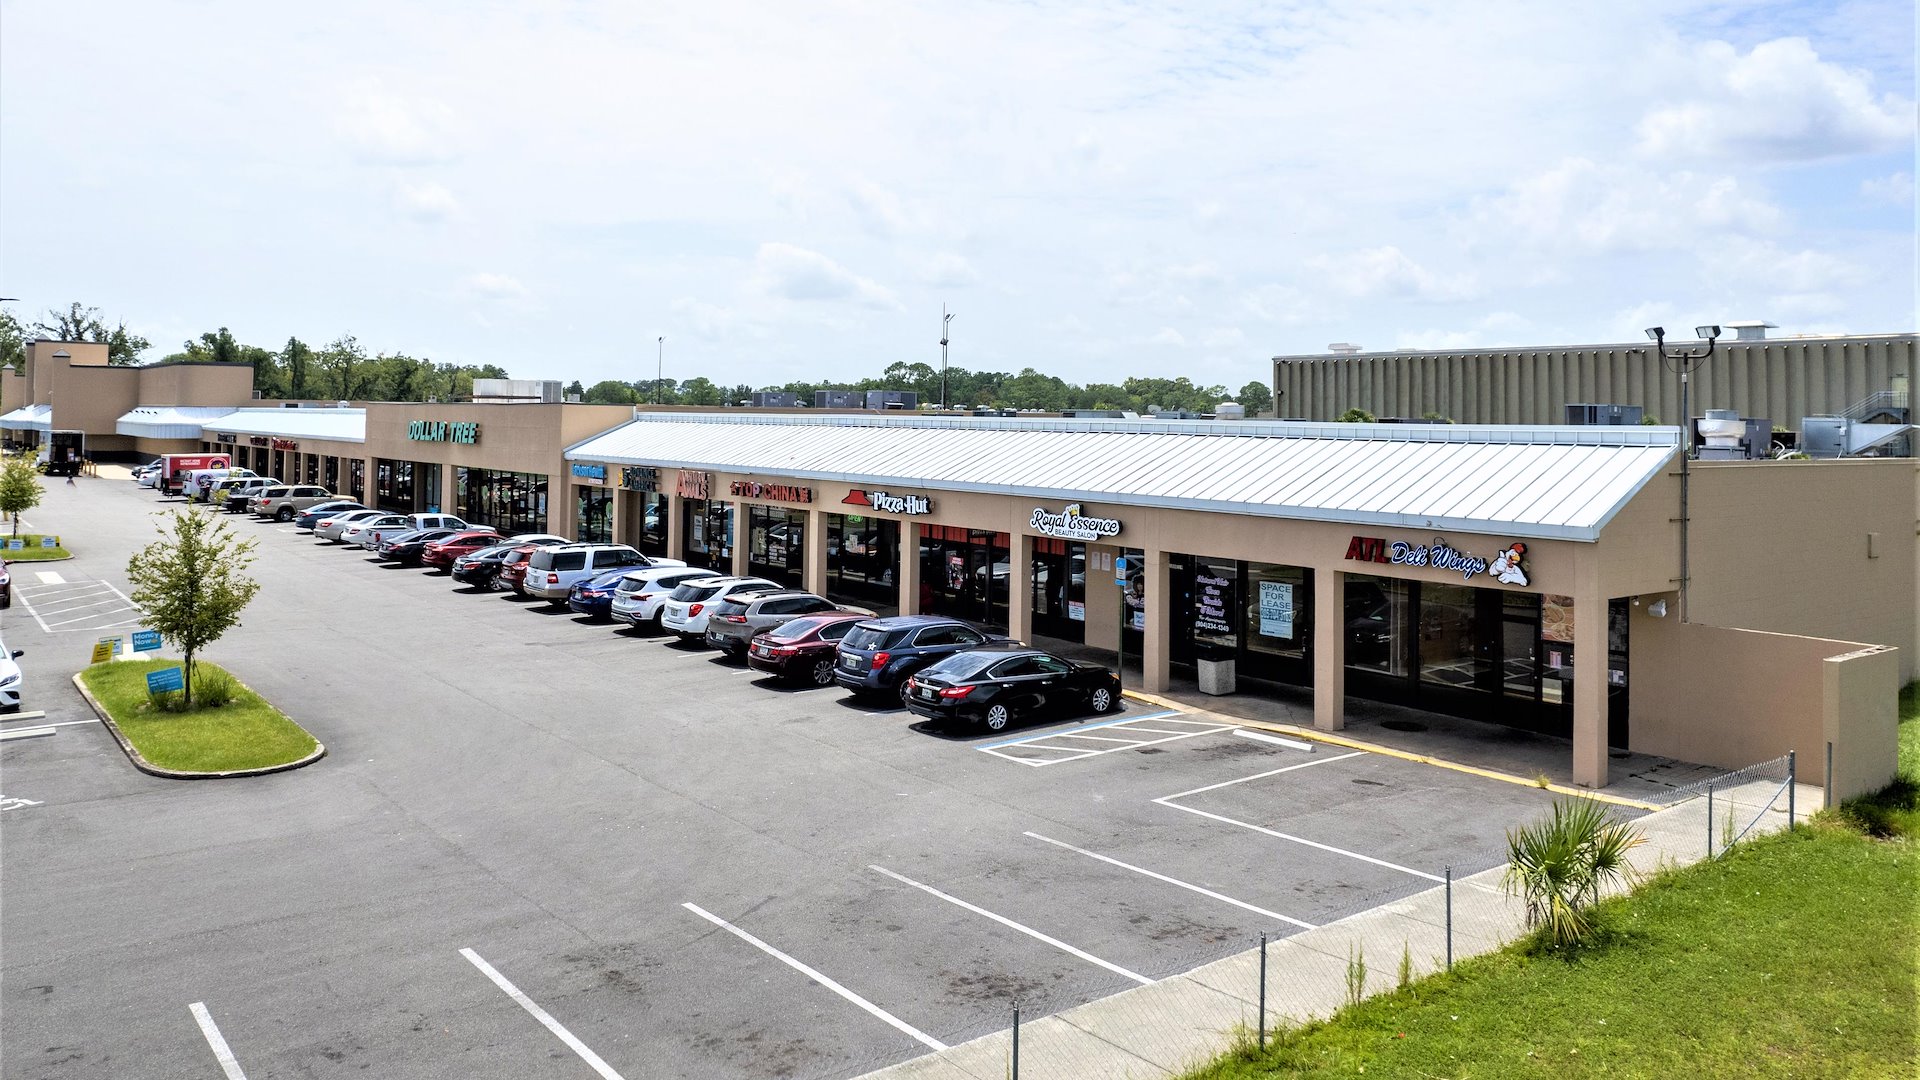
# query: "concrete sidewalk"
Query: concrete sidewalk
1171,1026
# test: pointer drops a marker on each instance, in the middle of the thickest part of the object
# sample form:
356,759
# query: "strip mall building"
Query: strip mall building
1535,577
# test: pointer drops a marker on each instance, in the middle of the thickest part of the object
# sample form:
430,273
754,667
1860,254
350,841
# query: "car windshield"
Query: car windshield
796,629
873,637
964,665
691,593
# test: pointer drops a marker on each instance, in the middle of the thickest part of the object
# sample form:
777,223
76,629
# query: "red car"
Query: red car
513,569
443,551
6,586
804,649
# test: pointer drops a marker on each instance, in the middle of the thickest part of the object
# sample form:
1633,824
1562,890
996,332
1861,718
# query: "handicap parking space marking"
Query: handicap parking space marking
1116,733
1169,802
49,577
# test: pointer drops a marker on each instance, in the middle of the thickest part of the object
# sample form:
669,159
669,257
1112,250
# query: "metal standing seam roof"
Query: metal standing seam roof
337,425
169,421
28,418
1533,482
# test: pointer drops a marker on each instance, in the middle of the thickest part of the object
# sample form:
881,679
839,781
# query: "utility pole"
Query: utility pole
1683,362
660,366
945,318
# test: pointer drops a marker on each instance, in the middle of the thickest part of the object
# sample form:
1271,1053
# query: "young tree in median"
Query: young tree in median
20,489
192,583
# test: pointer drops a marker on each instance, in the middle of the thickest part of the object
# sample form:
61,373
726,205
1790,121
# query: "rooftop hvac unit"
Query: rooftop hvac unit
1229,410
1723,435
1590,415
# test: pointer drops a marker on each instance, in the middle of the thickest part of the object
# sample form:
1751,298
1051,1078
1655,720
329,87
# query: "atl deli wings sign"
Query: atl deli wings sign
1508,567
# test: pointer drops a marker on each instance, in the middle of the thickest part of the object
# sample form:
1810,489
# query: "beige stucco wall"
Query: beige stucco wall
1862,720
196,384
15,390
1809,547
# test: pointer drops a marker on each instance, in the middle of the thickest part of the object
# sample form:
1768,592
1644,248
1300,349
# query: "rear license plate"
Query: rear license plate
851,663
928,693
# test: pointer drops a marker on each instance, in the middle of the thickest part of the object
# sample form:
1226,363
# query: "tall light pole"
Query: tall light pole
660,366
1684,361
945,318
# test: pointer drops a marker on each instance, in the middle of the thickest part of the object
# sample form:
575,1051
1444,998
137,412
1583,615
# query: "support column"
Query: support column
369,493
1020,587
676,527
1590,689
618,510
739,538
813,570
1329,650
1157,637
445,501
907,574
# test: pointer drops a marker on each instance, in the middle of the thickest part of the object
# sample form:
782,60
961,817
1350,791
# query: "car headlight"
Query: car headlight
10,680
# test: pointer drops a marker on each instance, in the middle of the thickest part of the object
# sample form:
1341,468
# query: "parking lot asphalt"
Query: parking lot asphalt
541,846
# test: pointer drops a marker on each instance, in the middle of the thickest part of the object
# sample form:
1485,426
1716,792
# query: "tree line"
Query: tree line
1028,390
344,370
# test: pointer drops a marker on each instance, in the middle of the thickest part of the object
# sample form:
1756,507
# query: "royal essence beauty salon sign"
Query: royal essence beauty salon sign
1071,524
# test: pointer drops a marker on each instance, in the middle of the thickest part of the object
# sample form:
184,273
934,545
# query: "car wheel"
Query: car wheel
997,717
905,691
284,514
1101,700
822,673
659,623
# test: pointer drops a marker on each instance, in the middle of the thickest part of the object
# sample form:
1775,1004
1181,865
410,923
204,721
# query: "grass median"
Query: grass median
1794,955
32,551
244,733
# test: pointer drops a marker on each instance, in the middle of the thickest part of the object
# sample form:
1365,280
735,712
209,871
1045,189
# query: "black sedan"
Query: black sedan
408,549
998,685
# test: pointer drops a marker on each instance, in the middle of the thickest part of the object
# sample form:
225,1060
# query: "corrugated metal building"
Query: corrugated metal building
1781,379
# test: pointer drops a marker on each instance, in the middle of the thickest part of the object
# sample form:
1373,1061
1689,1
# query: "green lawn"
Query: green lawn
247,733
33,552
1796,955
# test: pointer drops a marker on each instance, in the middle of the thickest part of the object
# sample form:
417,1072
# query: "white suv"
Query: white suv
371,536
638,598
686,610
552,572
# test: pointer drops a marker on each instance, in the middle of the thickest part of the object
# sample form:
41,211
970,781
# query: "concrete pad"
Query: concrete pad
1177,1024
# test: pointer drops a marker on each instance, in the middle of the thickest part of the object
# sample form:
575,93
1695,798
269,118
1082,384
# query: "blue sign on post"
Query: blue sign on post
49,541
146,640
159,682
1120,571
16,545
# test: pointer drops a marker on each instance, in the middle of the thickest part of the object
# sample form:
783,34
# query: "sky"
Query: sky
791,191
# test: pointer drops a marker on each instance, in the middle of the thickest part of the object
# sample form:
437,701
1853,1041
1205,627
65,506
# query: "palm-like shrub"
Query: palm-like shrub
1559,865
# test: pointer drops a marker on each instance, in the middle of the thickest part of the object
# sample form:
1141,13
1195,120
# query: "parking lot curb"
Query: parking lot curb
145,766
1316,735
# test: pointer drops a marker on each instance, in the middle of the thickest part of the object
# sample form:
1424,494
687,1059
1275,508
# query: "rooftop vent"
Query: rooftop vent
1343,348
1750,329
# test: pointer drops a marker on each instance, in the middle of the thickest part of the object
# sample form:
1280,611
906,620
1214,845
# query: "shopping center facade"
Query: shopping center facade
1534,577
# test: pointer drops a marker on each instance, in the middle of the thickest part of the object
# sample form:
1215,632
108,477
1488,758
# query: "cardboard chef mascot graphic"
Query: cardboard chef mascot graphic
1510,568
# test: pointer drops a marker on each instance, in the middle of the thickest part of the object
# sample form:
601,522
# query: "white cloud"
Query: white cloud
795,273
390,129
1223,337
1283,304
881,210
1387,272
1778,103
1896,189
1581,205
947,270
1498,329
1168,336
425,201
489,286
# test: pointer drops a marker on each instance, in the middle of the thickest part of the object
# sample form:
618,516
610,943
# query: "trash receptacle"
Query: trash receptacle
1216,672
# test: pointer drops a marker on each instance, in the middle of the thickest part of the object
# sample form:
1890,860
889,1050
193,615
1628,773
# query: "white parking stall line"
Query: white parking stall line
25,733
1277,834
1010,924
1261,736
870,1007
1189,886
592,1059
1100,738
1112,731
221,1052
1036,762
49,577
1261,776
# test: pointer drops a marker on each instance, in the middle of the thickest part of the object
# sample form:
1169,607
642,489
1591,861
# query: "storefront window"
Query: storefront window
393,486
1059,588
964,574
357,486
1379,630
593,515
330,474
709,534
776,544
512,502
1216,626
862,553
1451,652
1279,612
647,521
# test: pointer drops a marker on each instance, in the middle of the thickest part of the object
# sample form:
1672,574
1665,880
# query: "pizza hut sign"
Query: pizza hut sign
1071,524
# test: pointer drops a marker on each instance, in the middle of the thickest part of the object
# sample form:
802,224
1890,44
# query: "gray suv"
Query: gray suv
737,618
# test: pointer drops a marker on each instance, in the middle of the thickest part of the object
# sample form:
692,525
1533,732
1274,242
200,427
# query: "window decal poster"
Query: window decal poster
1276,609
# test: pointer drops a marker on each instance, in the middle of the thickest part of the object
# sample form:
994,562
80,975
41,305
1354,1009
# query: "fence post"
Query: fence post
1016,1041
1790,790
1449,918
1709,821
1263,991
1826,793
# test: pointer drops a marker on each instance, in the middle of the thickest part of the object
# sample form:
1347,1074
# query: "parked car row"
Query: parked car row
940,668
